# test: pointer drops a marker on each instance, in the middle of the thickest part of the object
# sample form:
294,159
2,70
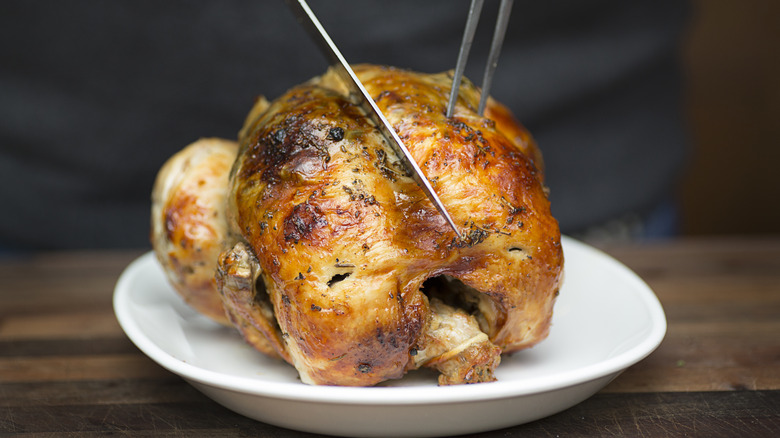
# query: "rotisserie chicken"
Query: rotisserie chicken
325,253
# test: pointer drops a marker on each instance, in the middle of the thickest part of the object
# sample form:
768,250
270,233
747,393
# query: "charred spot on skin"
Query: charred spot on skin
316,308
336,134
300,276
279,145
302,221
364,368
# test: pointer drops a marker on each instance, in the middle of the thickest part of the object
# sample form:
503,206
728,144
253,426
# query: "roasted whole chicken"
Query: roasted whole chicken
311,239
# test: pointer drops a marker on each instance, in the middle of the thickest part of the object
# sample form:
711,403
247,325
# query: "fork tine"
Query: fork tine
463,54
495,51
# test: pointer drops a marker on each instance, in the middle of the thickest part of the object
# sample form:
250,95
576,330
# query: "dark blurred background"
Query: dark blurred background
655,117
732,59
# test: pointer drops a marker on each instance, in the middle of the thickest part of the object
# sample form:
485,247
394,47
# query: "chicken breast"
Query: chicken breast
342,266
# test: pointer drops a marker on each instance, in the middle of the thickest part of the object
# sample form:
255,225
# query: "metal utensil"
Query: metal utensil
495,50
309,21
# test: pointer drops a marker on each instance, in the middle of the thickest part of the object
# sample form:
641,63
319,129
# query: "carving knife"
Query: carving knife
309,21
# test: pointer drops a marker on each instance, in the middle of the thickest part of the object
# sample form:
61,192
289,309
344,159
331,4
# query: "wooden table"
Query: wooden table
67,368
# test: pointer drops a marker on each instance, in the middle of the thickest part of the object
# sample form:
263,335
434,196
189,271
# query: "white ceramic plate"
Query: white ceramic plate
606,319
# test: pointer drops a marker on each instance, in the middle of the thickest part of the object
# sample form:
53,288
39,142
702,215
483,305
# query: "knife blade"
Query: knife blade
317,32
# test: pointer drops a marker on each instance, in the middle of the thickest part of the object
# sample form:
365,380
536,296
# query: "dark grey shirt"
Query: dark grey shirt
96,95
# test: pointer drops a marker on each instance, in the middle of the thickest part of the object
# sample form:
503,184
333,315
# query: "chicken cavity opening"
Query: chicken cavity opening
459,295
455,341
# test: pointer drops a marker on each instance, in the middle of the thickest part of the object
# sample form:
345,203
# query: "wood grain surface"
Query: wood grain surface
67,369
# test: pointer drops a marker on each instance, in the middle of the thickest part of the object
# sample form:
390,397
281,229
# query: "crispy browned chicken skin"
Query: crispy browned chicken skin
340,264
189,227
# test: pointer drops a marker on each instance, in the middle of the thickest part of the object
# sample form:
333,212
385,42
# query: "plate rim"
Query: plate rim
400,395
